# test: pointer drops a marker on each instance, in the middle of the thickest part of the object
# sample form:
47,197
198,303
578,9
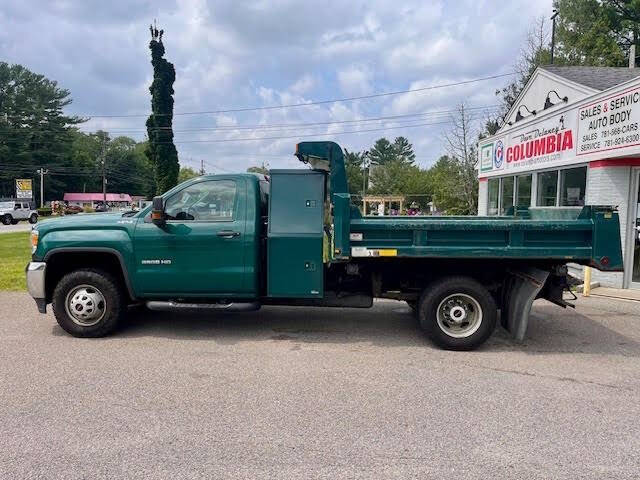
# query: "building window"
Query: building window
523,190
494,190
573,183
506,194
547,189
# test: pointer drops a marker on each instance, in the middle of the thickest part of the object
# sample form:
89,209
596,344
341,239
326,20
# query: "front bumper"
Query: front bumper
36,284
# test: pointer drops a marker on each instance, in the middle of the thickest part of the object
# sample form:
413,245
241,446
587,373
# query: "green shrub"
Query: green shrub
88,209
44,211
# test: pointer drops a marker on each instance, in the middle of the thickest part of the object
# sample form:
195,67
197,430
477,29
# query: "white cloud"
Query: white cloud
355,80
271,52
303,85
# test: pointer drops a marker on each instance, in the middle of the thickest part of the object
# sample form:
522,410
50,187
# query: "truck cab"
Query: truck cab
294,237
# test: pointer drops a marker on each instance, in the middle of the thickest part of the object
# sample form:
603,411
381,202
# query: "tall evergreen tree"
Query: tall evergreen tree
382,152
404,150
161,150
34,131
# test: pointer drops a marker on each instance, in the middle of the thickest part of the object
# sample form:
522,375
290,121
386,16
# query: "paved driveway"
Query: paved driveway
312,393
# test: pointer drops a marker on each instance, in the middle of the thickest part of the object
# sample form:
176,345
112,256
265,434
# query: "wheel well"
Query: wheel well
59,264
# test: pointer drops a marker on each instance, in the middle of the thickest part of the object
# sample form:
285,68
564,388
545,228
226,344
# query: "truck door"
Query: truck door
200,250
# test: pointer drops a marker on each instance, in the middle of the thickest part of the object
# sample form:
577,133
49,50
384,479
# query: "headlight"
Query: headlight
34,240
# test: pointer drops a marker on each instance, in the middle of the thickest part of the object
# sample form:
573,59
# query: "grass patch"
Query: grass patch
15,253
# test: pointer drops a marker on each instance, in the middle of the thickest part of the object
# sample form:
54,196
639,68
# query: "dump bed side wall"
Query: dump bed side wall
590,239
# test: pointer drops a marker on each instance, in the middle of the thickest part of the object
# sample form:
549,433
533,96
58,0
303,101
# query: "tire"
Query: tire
7,219
95,297
457,313
33,218
14,221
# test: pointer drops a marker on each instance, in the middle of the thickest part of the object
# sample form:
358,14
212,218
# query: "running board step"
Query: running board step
172,306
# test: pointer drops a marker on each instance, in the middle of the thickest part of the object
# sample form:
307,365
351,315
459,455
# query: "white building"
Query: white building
572,138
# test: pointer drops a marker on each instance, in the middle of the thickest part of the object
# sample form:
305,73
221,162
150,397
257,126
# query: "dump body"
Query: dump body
588,236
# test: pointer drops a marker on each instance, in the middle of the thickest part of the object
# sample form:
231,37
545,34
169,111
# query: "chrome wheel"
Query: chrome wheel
459,315
85,305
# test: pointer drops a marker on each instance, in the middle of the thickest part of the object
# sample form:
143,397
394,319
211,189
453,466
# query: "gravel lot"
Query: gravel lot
312,393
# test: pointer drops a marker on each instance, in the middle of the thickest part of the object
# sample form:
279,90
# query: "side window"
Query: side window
212,201
16,206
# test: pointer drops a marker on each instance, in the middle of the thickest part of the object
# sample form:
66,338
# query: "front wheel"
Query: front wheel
88,303
457,313
33,218
7,219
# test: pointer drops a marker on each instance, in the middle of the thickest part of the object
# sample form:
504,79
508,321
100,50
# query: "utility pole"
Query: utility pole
365,156
202,167
553,32
42,173
104,178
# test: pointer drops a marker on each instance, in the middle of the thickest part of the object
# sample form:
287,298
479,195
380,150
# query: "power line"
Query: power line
335,122
225,140
321,134
296,125
305,135
306,104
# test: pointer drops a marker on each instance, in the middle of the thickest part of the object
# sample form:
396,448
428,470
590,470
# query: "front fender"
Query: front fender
113,241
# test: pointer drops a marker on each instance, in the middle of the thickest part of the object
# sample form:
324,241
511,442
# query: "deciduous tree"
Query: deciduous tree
186,173
458,189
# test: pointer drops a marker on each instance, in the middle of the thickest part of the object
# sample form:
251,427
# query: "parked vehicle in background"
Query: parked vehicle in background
71,209
101,207
12,212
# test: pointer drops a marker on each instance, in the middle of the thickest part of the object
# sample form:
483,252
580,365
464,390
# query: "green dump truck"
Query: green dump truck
237,242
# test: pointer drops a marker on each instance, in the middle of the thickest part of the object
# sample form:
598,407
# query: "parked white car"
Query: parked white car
12,212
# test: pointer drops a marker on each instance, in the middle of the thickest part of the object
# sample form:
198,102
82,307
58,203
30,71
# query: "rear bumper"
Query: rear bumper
36,284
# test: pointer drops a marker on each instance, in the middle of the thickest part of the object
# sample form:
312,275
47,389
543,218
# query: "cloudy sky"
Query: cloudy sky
231,55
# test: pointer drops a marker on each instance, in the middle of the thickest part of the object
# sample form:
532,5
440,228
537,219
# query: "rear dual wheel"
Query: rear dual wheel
457,313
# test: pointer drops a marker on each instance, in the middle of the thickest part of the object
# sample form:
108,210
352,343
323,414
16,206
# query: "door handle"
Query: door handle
227,234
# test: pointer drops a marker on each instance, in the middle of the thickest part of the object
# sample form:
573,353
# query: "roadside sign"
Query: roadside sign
24,188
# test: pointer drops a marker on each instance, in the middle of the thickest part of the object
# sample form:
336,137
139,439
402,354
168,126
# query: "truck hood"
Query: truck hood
84,221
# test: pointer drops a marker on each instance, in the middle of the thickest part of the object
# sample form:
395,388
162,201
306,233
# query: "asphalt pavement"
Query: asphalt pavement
18,227
320,393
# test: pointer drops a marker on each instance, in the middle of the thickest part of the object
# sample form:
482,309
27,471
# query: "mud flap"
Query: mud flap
521,289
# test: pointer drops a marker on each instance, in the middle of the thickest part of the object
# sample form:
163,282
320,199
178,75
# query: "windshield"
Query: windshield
6,205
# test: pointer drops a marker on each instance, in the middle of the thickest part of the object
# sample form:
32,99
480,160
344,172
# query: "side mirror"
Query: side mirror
157,211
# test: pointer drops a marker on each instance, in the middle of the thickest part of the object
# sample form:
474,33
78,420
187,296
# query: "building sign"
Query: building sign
486,157
605,125
24,188
544,144
610,123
